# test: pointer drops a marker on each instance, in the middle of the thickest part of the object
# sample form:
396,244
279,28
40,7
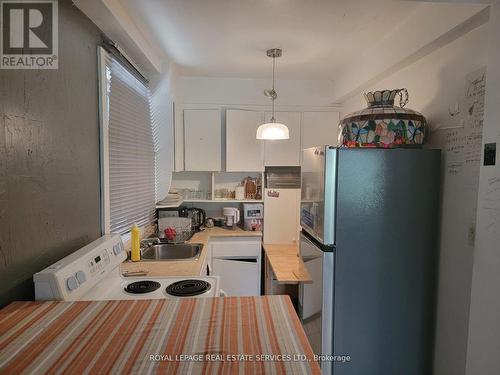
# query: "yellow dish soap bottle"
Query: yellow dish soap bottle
135,238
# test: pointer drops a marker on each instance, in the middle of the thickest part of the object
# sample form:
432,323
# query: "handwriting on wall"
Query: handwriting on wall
463,144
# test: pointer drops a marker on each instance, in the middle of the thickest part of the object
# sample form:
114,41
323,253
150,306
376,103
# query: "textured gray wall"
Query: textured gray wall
49,158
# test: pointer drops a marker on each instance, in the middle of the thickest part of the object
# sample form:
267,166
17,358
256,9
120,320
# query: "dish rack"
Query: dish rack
181,225
180,237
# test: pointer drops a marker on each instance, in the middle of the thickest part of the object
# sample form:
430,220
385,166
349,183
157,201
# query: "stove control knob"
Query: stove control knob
117,249
71,283
80,276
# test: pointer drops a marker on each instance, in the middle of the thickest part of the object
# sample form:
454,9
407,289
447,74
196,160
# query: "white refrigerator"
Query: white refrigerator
281,216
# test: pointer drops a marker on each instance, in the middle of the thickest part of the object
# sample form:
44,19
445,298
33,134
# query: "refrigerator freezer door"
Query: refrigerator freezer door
316,299
312,294
317,207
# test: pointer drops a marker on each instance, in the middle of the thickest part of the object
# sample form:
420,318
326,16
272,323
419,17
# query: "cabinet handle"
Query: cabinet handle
248,260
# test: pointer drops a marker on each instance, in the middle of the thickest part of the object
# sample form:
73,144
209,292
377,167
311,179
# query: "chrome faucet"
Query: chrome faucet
148,242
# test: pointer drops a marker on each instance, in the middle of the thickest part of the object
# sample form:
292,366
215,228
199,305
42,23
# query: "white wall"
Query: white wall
435,82
243,91
483,355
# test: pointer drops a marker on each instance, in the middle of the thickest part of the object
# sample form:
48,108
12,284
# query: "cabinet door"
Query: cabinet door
285,151
238,276
202,140
244,153
319,128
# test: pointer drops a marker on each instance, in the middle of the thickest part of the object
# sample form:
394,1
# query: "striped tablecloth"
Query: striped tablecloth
250,335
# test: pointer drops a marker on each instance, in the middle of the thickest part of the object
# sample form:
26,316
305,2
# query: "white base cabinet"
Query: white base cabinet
238,277
237,261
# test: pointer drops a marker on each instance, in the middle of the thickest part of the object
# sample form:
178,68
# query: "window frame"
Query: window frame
104,56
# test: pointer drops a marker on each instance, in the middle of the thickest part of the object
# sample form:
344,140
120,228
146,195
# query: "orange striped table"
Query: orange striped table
251,335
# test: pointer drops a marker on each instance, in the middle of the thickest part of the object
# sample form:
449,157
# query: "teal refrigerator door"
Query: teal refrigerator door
385,261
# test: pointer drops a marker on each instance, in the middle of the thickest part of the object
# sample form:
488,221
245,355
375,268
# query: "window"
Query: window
127,152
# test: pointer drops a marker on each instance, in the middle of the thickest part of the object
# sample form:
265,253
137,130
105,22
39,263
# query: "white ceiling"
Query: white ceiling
228,38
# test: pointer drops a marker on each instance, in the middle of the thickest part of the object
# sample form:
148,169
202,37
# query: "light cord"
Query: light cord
273,97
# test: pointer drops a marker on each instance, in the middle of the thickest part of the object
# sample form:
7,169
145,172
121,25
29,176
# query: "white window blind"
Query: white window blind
128,160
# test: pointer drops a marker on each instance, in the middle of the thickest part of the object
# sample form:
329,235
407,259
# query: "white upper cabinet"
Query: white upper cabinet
320,128
202,140
199,143
284,152
244,153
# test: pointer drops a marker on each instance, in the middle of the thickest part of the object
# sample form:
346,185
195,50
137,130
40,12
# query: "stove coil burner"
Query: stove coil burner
188,288
143,286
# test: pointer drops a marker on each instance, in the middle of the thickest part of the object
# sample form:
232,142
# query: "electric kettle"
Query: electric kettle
197,216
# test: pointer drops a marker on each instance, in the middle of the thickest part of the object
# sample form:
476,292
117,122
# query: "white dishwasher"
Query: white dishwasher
237,261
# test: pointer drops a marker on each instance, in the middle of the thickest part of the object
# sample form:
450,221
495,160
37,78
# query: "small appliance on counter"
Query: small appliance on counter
197,216
180,211
253,216
232,216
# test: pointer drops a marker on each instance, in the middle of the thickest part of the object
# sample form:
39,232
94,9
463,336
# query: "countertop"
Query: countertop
286,263
245,335
186,267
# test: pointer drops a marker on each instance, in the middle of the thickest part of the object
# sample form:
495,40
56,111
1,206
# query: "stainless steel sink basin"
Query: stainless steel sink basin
167,251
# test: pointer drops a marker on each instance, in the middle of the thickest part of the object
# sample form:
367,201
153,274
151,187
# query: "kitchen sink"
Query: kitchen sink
171,251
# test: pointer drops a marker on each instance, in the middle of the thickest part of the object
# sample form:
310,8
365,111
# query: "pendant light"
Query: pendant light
273,130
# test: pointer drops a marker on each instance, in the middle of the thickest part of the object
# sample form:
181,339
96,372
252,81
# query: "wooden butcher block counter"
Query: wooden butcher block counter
186,267
286,264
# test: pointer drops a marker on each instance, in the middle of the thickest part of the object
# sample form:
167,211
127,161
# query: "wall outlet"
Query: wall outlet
490,153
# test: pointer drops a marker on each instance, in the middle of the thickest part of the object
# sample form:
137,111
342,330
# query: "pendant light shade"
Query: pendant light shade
273,130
